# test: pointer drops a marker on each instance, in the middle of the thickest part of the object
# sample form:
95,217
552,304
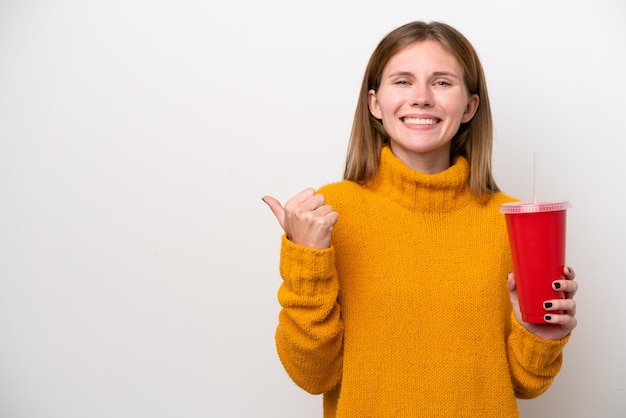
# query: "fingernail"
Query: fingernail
263,199
547,317
557,285
569,270
548,305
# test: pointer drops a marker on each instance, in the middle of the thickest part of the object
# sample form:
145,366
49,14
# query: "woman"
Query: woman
397,299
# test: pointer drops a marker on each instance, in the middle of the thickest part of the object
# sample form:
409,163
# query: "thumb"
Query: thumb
512,287
510,282
276,208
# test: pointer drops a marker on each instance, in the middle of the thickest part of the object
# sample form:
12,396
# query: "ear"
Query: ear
372,102
472,107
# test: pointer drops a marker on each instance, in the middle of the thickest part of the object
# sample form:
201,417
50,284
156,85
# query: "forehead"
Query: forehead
423,56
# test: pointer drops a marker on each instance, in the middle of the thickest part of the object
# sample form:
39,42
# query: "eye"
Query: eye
442,83
401,82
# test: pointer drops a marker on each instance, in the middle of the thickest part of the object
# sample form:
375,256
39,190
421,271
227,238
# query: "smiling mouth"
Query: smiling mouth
418,121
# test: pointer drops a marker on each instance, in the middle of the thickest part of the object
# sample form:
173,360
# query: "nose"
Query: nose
421,96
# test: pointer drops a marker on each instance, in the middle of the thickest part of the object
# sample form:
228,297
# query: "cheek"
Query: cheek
389,106
456,106
389,117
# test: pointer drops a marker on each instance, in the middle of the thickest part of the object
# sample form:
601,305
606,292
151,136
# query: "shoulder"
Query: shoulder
339,187
341,193
500,198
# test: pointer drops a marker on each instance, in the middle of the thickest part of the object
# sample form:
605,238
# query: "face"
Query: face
422,100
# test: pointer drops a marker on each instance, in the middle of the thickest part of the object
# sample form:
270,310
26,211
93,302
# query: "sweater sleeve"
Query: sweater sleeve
534,362
309,336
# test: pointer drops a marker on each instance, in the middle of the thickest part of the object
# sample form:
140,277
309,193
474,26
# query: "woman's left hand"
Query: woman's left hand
557,326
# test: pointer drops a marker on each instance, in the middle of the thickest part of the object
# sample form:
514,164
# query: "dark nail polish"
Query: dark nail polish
547,317
548,305
557,285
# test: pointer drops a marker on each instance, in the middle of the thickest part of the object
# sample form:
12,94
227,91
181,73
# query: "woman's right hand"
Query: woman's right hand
305,218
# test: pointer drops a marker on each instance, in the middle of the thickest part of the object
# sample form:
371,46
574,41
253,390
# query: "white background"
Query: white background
138,265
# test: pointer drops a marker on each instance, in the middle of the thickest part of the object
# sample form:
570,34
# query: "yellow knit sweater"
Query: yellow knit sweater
407,314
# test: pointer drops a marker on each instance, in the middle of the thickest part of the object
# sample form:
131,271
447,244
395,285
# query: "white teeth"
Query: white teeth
417,121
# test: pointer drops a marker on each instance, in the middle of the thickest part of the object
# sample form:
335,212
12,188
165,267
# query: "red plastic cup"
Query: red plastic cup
537,239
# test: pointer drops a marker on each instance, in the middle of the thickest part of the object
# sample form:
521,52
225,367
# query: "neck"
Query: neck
431,162
417,191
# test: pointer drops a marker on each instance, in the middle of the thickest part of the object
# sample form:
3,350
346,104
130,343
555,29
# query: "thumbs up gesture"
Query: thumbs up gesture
305,218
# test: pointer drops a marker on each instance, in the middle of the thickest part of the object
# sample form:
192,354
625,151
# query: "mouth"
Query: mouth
420,121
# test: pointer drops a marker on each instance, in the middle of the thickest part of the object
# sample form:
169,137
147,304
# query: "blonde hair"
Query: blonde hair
473,140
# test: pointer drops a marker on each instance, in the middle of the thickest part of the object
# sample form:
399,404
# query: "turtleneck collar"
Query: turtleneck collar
420,192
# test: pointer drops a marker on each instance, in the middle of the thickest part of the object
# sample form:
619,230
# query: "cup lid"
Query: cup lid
534,207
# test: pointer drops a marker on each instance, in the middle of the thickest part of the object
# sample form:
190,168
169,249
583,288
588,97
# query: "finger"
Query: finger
569,273
567,322
276,208
324,217
566,305
334,217
324,210
569,287
511,286
305,201
302,196
510,282
330,216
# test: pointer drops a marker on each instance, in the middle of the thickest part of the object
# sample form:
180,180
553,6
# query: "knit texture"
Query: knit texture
407,314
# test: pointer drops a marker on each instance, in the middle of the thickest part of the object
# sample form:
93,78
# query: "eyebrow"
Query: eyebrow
435,74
